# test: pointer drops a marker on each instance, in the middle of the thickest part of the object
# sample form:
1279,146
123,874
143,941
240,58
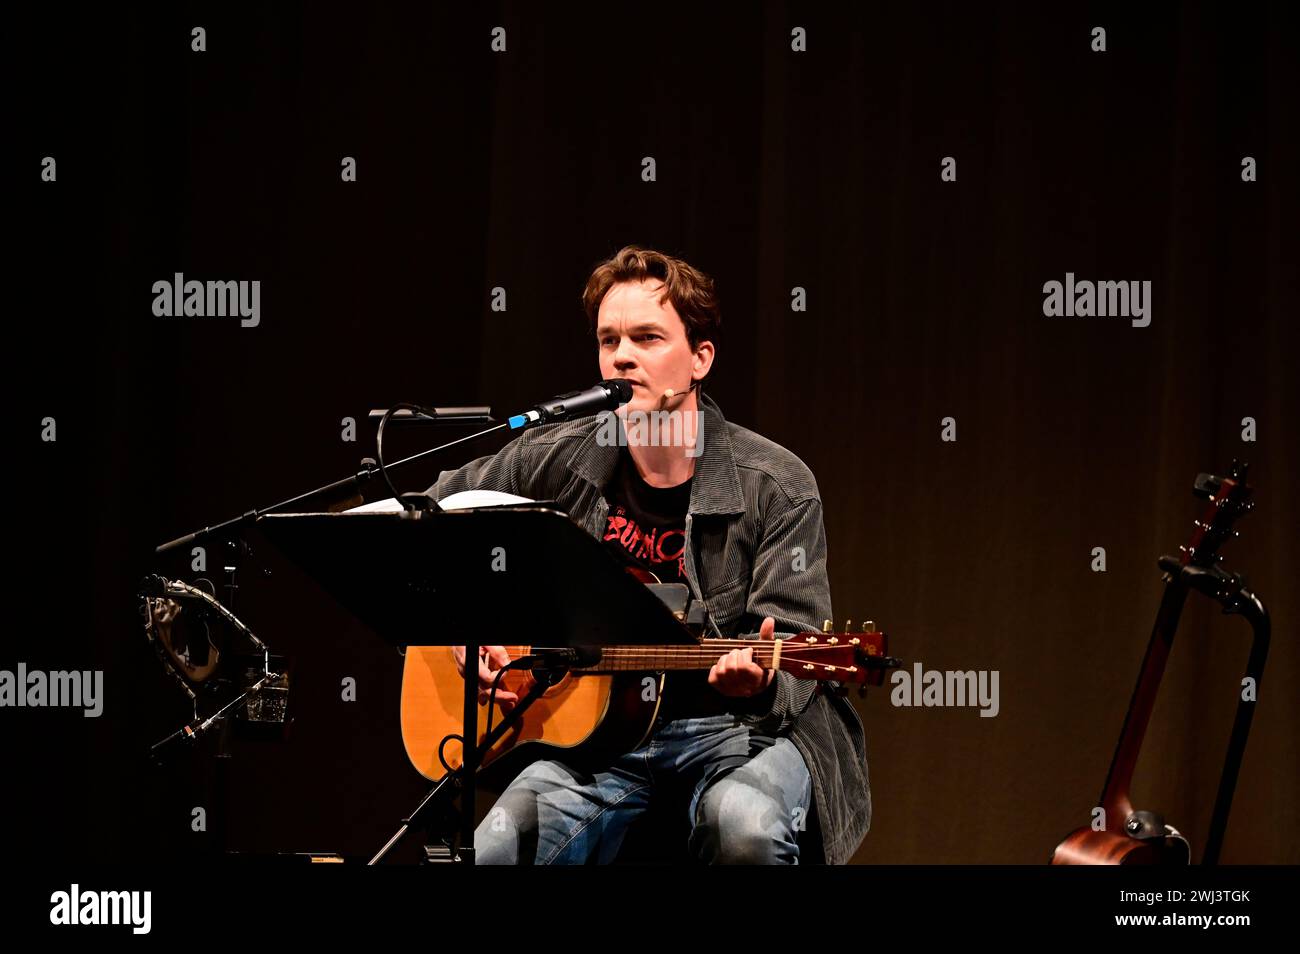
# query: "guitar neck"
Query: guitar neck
853,657
687,656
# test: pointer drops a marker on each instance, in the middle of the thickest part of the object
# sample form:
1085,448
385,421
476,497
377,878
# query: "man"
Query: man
760,759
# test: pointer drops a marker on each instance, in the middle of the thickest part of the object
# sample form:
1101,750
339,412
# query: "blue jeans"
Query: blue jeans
750,796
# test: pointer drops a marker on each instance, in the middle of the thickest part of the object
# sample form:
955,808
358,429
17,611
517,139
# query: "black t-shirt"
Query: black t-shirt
646,528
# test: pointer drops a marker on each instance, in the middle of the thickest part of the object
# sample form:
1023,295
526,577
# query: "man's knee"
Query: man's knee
749,846
497,839
737,824
507,835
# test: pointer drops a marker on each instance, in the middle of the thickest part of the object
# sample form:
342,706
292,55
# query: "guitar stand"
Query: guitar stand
452,784
1141,837
1229,589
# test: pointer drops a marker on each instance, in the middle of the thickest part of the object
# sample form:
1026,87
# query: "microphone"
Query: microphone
669,393
605,396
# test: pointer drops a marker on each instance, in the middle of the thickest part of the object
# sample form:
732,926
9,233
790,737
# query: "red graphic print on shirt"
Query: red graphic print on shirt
660,549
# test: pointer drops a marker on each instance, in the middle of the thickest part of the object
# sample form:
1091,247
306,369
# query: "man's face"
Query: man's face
646,343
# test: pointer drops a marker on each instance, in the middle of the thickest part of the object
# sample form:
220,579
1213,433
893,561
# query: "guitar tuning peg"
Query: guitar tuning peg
869,626
848,626
828,627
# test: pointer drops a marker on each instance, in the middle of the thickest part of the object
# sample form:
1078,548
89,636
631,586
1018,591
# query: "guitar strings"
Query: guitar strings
636,657
702,652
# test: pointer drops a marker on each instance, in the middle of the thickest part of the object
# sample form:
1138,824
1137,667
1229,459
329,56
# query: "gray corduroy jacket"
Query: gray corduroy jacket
752,504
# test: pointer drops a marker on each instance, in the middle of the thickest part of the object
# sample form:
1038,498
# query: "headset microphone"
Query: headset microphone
669,394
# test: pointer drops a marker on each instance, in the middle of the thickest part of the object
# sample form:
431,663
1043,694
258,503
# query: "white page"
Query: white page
461,501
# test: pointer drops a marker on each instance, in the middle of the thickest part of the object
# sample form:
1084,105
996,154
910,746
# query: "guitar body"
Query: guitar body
583,717
1083,846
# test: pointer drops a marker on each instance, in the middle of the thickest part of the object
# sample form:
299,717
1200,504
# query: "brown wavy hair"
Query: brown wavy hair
689,289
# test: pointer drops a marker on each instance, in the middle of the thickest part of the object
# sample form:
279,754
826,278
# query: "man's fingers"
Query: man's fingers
719,669
768,629
458,655
736,673
488,665
496,659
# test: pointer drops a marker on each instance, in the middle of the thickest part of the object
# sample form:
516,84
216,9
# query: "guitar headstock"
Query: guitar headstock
858,657
1229,498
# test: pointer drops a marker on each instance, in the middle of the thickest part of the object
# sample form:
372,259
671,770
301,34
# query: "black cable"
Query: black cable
519,663
491,702
492,696
441,758
379,444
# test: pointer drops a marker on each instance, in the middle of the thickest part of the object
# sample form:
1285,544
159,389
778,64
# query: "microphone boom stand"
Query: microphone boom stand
353,483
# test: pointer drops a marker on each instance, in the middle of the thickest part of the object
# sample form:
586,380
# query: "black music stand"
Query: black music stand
429,578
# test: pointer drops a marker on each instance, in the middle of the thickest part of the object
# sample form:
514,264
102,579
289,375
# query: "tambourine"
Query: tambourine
177,619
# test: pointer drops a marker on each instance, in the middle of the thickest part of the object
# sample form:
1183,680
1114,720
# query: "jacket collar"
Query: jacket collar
715,487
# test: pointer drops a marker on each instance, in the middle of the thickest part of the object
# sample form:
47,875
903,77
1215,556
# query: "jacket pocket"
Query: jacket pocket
726,603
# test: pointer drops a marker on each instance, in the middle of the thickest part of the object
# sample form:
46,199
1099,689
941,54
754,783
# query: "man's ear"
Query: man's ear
704,354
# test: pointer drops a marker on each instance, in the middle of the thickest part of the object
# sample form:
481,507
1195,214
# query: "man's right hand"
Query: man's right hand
491,659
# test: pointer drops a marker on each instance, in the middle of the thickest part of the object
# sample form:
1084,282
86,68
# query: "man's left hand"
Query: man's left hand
736,674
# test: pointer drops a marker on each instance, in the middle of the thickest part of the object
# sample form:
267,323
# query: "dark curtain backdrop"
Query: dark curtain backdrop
775,169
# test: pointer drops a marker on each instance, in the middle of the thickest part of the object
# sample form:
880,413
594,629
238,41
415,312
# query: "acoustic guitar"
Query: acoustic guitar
598,711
